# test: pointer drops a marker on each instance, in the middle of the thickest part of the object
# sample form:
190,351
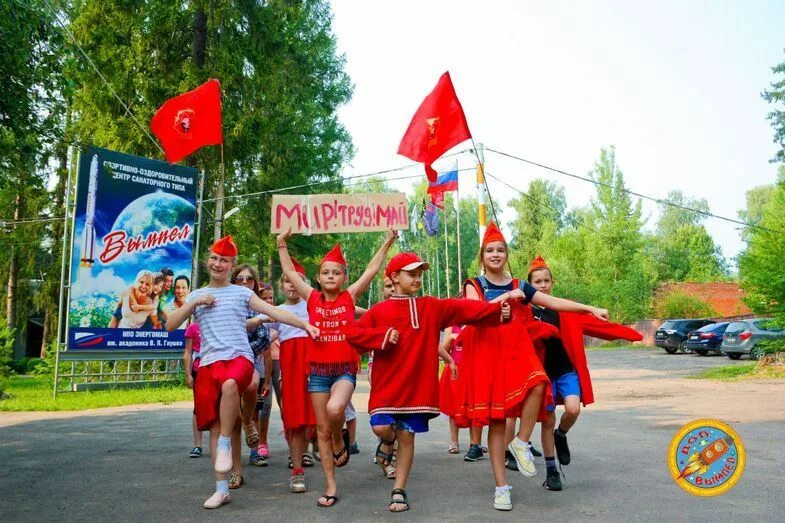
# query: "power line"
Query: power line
637,194
100,75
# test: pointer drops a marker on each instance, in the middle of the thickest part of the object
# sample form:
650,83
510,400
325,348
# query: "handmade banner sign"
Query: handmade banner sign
328,213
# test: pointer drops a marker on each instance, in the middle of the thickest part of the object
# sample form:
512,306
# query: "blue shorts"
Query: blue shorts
563,386
408,422
317,383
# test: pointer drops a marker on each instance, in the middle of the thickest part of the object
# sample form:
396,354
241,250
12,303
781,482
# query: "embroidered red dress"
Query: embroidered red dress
500,367
406,375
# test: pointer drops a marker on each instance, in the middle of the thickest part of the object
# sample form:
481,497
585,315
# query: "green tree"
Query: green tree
682,247
776,96
760,265
756,199
540,217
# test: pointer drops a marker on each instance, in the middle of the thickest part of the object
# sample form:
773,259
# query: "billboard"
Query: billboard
131,251
328,213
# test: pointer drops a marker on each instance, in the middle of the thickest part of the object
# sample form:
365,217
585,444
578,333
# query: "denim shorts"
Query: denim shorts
408,422
318,383
563,386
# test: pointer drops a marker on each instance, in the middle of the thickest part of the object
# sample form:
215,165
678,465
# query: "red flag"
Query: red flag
438,125
437,198
190,121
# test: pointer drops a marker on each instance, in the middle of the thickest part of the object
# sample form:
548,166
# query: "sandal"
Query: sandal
344,451
403,500
454,448
307,461
386,459
251,435
330,501
236,480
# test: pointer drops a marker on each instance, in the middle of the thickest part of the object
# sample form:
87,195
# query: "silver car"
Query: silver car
744,337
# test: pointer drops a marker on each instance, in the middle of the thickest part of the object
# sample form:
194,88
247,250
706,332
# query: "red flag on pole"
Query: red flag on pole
190,121
437,198
438,125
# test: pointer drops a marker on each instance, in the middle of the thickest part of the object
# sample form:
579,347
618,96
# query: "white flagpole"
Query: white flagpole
446,255
458,224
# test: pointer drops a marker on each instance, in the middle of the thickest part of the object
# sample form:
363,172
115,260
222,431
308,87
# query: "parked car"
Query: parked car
672,334
745,337
706,339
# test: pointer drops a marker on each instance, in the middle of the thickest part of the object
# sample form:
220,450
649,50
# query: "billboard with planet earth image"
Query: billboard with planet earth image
131,253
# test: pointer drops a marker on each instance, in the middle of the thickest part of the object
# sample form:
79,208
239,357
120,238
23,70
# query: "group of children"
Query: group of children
517,352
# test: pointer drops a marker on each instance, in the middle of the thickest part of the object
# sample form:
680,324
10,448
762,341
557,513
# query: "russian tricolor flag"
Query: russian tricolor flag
446,181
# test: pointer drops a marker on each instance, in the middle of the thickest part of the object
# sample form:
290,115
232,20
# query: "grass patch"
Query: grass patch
744,371
35,394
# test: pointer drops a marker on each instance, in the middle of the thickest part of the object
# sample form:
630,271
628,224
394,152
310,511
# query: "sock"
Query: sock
502,490
225,442
550,463
561,432
298,471
222,486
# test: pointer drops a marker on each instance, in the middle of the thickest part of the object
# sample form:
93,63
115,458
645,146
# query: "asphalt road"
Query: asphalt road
134,466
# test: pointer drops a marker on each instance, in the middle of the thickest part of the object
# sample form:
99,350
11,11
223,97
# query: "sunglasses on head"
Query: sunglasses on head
245,279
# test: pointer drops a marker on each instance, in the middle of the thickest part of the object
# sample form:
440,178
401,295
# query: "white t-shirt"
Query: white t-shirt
224,336
287,332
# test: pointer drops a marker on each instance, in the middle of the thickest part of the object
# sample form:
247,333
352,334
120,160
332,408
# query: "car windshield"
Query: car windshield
712,327
736,327
667,325
767,325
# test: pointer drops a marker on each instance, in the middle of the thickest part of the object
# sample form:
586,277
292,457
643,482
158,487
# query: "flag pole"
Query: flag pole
198,227
458,225
446,256
438,270
219,199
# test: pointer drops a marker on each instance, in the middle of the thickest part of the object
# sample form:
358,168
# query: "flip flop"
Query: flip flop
328,499
344,450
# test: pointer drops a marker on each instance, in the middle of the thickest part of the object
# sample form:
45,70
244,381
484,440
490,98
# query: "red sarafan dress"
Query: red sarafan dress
448,387
500,366
296,405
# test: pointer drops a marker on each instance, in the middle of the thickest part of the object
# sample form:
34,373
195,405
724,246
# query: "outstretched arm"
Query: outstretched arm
303,289
180,314
562,305
259,305
374,266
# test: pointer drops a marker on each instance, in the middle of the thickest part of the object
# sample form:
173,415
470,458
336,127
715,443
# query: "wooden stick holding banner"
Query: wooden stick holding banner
334,213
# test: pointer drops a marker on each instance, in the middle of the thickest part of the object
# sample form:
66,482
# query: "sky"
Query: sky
674,86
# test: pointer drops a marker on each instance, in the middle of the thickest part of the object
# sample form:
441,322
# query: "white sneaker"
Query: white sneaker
217,500
223,460
523,457
501,500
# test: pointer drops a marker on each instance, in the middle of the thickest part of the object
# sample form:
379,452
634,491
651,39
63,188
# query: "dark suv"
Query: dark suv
672,334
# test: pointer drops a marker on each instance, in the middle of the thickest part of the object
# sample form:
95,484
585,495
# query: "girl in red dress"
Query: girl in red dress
332,361
502,376
452,347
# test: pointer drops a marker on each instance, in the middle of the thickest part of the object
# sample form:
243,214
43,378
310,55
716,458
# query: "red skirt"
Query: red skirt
296,406
448,392
499,369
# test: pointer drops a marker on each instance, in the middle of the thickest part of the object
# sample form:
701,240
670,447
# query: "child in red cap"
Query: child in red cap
332,361
226,363
399,409
564,359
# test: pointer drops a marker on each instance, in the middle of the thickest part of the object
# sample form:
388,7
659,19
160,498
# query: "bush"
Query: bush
682,305
6,348
27,365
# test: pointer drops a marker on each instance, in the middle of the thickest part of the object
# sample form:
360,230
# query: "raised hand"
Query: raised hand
601,313
283,237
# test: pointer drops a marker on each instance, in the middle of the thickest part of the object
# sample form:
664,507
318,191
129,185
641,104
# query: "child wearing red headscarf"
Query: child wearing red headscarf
564,359
405,391
503,378
332,361
226,363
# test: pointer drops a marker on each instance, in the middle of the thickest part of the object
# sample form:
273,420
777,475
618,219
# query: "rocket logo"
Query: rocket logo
432,124
706,457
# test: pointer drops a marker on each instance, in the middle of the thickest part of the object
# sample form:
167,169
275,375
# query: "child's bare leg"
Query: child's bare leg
230,407
249,398
197,433
509,431
325,442
340,394
404,464
264,428
546,433
237,448
497,444
529,411
297,445
453,431
214,433
385,433
572,409
475,435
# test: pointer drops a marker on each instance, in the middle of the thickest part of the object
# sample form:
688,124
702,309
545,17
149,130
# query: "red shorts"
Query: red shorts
210,379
